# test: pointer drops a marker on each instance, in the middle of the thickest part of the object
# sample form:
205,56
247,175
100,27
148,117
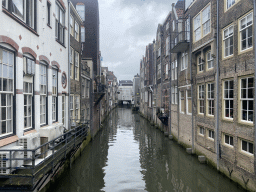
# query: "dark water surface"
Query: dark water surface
131,155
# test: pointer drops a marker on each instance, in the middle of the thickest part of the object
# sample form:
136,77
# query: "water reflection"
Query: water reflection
130,155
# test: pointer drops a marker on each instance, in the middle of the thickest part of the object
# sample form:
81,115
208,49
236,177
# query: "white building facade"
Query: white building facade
33,69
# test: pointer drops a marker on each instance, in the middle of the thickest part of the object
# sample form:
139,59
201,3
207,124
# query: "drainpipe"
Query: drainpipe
254,24
192,96
217,90
170,87
69,115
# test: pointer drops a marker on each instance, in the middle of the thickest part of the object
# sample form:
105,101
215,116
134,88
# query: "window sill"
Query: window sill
247,153
210,116
231,120
19,21
210,139
8,140
246,123
227,57
245,51
49,26
229,146
201,135
60,43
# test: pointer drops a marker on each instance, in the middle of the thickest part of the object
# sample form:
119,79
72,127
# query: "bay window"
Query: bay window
6,91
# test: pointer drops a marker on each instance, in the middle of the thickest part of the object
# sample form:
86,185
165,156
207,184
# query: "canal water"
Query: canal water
129,155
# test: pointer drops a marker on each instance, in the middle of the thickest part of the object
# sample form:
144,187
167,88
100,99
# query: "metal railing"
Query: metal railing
183,36
40,161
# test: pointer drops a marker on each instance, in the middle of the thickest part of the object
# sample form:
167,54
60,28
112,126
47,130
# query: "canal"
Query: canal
128,154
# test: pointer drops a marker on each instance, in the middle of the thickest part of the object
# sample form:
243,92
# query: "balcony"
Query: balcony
180,42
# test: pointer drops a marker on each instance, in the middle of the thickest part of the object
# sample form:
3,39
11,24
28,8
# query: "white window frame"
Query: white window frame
71,25
54,95
77,108
59,23
72,57
246,28
206,20
211,134
76,31
197,27
210,99
200,64
230,3
201,91
64,109
6,92
227,140
71,98
209,60
249,100
228,99
184,61
28,105
228,41
76,65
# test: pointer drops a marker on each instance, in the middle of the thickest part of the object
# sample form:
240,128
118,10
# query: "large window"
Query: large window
28,94
201,98
81,10
24,10
76,65
228,98
246,31
60,23
210,98
6,91
202,23
54,94
246,99
43,93
228,41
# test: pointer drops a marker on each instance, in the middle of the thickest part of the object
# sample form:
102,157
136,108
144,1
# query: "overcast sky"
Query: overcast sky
126,27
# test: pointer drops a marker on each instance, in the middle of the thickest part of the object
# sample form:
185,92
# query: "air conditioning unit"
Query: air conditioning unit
30,141
48,131
5,160
59,129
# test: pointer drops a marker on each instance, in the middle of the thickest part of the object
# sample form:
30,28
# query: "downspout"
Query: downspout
254,23
170,88
191,82
217,90
69,116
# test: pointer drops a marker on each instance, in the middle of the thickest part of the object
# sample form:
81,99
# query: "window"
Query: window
228,41
43,93
82,34
60,23
246,31
72,108
167,45
182,102
54,94
173,25
206,15
63,109
210,98
174,95
159,71
228,98
6,91
24,10
189,102
201,130
246,99
87,88
211,134
200,64
202,23
159,52
77,104
83,89
201,98
71,62
197,27
28,66
209,60
166,71
76,31
247,146
48,13
76,65
184,61
81,10
174,70
228,140
230,3
187,29
28,94
71,25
